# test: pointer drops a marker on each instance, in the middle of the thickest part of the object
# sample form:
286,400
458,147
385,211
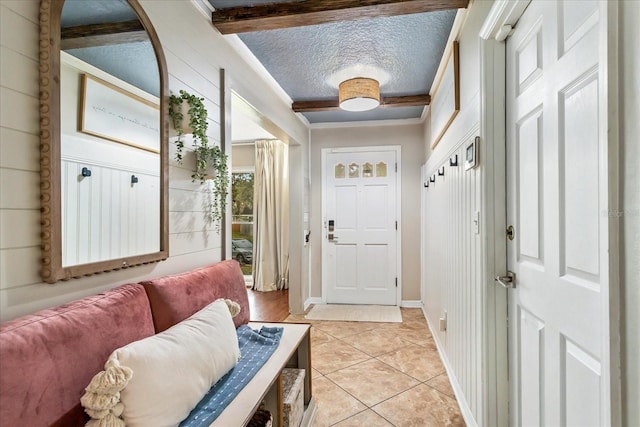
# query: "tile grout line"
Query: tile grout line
424,339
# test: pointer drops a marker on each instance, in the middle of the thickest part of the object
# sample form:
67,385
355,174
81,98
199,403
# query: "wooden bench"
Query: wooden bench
294,351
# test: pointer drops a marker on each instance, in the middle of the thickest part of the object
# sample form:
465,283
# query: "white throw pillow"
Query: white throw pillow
174,369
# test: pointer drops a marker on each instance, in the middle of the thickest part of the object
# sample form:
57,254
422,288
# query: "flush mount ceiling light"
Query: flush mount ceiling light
359,94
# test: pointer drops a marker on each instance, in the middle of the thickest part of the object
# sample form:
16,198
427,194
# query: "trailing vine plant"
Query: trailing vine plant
207,157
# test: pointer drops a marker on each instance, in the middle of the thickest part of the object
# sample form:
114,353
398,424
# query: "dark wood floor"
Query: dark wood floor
268,306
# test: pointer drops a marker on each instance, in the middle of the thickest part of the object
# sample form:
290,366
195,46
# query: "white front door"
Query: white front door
360,226
557,187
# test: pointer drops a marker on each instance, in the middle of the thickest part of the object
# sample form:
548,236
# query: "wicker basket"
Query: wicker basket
292,396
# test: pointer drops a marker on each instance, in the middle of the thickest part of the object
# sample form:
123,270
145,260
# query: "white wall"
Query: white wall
105,215
409,137
453,273
195,52
244,156
630,186
454,269
442,278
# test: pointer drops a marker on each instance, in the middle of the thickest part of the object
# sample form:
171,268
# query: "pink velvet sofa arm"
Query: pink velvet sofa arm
174,298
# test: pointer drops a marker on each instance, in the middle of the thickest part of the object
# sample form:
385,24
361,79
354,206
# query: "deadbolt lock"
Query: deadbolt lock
510,232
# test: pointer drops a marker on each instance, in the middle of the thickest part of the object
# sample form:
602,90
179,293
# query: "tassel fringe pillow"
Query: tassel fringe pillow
157,381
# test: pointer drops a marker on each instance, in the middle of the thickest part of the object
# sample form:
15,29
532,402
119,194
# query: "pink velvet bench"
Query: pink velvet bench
48,358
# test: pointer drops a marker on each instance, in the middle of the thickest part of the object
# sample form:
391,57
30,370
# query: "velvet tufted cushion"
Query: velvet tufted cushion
48,358
174,298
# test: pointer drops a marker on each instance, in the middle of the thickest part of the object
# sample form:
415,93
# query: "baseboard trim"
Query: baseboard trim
465,409
309,413
410,303
312,300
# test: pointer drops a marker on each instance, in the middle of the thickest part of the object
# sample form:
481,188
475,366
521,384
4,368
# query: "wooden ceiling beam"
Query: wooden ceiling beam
314,106
274,16
385,102
102,34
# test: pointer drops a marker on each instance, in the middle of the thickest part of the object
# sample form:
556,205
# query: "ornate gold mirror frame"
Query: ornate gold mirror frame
52,269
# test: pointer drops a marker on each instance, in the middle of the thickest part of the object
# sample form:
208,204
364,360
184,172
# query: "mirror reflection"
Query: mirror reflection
110,134
104,160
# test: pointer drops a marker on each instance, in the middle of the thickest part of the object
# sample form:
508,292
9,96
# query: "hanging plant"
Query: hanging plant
196,125
211,161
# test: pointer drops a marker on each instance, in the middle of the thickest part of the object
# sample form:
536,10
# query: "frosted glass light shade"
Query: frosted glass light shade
359,94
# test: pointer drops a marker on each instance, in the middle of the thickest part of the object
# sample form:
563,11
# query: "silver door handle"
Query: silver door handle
508,281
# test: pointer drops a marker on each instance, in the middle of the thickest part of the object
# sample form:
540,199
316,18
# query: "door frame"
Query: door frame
503,15
323,225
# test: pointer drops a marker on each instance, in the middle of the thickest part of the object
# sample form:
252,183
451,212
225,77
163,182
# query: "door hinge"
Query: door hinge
396,167
396,225
396,282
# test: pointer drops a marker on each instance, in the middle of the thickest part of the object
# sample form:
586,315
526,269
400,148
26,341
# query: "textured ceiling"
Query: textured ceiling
86,12
135,63
401,52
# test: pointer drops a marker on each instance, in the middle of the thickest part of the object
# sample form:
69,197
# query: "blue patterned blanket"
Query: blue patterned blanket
256,347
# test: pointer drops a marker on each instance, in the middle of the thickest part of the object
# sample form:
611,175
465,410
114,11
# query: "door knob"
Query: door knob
332,238
508,281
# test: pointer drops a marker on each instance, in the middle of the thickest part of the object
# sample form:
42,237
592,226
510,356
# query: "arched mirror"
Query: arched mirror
104,141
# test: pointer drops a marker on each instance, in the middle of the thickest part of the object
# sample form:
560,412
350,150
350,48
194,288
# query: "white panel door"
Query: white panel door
557,188
359,250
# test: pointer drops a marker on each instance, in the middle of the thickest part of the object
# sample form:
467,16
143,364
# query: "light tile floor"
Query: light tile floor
379,374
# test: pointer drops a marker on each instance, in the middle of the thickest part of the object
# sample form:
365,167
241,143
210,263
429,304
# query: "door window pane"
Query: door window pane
354,170
339,171
367,170
381,169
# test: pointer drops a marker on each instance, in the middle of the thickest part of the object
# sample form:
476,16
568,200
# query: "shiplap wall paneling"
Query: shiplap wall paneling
19,147
105,216
453,273
194,55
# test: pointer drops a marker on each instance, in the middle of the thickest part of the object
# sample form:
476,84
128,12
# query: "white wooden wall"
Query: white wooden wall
455,257
105,216
452,270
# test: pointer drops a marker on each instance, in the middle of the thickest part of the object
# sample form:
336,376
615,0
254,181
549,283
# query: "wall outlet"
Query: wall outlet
443,322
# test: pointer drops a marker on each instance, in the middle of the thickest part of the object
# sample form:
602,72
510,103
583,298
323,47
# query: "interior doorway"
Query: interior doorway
246,127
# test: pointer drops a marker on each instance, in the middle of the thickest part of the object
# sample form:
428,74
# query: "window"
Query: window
242,220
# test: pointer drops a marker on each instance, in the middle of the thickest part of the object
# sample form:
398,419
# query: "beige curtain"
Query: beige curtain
271,216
